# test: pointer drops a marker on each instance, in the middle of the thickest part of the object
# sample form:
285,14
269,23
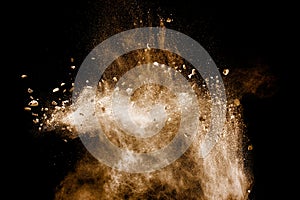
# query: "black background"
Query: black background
41,38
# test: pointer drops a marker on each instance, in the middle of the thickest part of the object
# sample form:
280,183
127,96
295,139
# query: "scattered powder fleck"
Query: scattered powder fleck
33,103
29,90
55,90
226,72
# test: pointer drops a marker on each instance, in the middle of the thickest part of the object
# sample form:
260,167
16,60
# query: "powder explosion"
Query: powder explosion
223,174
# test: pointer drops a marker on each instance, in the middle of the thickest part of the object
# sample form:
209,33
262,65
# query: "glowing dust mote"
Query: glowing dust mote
222,174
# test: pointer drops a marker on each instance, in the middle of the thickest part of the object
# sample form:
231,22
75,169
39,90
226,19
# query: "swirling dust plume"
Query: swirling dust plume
223,174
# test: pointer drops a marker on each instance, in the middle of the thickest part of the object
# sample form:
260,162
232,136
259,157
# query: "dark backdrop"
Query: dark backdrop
42,37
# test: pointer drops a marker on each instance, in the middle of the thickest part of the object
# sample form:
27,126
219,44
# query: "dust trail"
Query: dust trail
223,174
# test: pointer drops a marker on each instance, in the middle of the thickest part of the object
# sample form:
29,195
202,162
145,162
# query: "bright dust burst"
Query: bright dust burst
223,174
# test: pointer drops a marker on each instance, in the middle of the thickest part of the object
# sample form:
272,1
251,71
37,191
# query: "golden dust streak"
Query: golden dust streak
221,175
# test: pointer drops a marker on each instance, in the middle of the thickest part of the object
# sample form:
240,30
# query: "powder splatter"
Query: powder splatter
223,174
